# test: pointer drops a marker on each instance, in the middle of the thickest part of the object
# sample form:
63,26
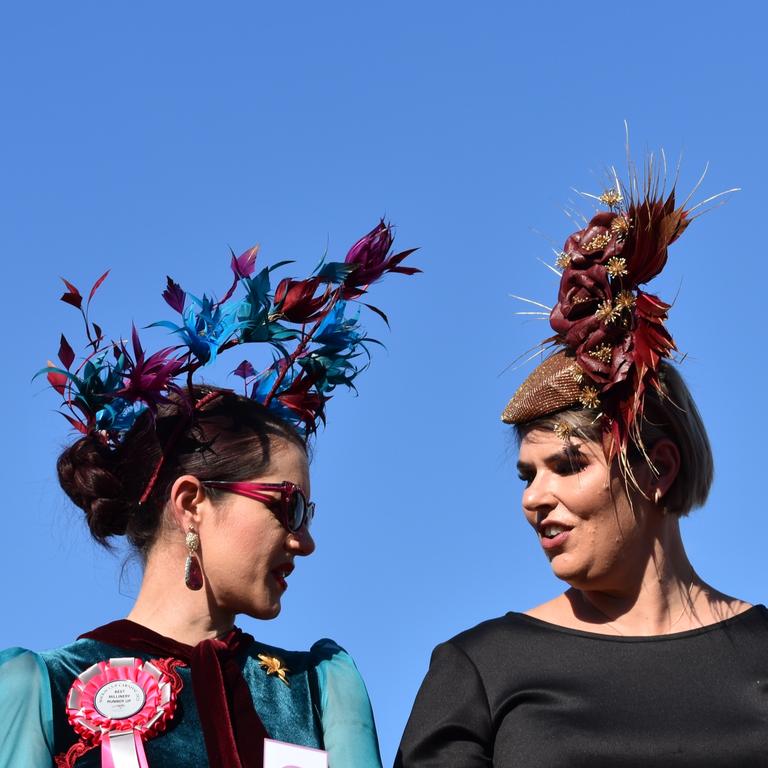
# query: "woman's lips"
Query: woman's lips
554,542
553,535
281,573
281,582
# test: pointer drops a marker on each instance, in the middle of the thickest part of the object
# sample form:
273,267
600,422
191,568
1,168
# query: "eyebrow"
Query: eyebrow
570,452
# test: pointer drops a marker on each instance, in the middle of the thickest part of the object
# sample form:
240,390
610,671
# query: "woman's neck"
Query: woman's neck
657,593
166,606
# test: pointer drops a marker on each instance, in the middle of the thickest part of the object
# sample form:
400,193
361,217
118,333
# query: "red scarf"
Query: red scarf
233,731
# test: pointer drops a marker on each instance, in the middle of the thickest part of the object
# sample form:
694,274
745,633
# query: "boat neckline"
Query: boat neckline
548,625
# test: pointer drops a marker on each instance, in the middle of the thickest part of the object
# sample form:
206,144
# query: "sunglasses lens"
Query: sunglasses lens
298,510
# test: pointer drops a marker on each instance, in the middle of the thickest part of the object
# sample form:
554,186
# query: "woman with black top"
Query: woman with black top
639,662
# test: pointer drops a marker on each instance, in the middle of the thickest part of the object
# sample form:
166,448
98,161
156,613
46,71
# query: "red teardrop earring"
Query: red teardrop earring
193,573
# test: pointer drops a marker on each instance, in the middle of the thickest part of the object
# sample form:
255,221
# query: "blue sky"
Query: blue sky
149,137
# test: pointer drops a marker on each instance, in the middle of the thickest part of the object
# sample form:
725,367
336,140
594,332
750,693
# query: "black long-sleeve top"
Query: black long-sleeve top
516,692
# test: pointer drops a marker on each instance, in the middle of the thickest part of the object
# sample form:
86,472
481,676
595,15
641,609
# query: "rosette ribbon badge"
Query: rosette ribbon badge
118,704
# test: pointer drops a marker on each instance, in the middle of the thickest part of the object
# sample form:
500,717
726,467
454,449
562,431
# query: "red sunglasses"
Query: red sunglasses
291,507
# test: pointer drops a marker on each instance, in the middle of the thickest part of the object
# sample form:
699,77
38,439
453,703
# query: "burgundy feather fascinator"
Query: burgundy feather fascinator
610,333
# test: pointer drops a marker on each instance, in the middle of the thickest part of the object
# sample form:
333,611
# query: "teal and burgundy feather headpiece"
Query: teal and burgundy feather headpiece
311,327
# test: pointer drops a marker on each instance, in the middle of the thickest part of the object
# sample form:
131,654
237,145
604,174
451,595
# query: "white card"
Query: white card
278,754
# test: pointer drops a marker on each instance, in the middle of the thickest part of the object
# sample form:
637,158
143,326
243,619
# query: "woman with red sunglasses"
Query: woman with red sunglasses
222,530
212,491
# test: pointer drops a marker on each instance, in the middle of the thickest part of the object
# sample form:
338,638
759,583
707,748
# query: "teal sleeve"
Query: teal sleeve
26,716
349,732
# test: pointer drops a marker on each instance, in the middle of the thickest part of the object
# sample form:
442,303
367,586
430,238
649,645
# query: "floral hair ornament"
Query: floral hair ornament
315,338
610,333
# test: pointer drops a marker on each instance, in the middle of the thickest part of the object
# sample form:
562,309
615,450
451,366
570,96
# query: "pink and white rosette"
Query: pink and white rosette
119,704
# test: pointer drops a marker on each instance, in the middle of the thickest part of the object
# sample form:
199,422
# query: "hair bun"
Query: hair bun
88,474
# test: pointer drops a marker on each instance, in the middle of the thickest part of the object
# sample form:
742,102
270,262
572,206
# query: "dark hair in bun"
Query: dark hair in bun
230,438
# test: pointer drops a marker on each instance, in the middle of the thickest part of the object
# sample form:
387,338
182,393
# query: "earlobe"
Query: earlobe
665,458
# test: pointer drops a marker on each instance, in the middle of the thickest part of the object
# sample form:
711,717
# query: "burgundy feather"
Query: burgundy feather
174,295
72,296
245,370
66,353
96,286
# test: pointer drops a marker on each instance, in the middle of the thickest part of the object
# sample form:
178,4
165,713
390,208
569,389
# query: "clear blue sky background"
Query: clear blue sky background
149,137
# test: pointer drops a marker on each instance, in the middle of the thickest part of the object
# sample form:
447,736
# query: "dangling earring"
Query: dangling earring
657,496
193,573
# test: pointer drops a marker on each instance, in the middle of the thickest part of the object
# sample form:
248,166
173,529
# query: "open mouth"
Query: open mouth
281,573
553,535
553,531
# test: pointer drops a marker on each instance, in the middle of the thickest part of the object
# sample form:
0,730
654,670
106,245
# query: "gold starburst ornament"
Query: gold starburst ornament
607,312
620,226
617,267
603,353
590,397
610,197
625,300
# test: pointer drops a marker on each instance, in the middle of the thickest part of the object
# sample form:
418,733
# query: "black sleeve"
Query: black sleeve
450,724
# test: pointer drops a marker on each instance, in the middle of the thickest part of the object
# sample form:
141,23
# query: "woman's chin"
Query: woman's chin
566,570
265,611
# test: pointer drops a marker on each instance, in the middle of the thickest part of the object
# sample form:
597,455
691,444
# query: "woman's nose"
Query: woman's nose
538,497
301,542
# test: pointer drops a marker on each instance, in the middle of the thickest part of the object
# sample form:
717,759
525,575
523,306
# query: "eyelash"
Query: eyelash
563,469
572,467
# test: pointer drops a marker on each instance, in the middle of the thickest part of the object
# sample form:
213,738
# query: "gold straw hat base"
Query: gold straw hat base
552,386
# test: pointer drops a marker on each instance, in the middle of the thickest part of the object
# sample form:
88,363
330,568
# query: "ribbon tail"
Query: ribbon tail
139,744
123,749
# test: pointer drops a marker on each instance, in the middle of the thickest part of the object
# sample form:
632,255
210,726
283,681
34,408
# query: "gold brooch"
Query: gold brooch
273,666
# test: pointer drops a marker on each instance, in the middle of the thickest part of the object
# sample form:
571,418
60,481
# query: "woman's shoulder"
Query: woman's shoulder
338,693
66,662
21,664
491,632
323,653
329,667
26,716
535,628
20,668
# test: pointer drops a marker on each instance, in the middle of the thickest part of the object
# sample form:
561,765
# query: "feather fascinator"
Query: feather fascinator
310,328
610,333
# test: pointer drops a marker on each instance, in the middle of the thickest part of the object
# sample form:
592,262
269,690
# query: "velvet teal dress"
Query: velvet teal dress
324,706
